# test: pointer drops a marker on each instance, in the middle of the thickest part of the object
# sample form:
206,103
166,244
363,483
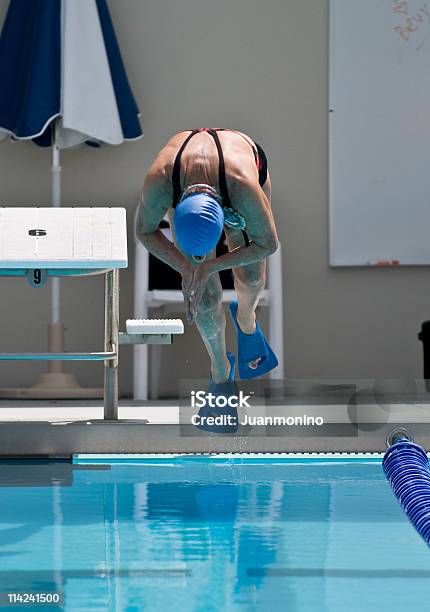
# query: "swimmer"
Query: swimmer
209,181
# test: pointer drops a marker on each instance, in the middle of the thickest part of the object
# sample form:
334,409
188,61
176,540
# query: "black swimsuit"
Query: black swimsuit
260,160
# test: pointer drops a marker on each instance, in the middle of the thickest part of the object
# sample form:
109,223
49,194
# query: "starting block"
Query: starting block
38,243
151,331
155,326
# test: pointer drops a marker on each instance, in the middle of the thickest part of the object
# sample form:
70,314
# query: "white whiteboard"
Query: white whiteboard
379,132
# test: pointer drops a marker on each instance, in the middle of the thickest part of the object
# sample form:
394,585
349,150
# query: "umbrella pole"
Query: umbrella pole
56,329
55,383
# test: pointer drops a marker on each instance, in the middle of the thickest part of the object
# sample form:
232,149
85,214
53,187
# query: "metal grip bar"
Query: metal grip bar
110,355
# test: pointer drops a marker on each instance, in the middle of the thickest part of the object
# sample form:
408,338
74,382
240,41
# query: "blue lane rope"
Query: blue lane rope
407,468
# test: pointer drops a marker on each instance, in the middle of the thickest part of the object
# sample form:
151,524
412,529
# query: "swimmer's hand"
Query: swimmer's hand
187,280
194,281
200,279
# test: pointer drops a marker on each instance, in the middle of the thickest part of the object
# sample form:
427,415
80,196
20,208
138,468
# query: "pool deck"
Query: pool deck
56,428
161,412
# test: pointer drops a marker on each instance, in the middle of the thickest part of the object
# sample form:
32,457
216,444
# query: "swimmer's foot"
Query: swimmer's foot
228,420
247,324
255,355
223,371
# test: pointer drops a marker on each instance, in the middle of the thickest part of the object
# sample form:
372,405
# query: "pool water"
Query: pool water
210,535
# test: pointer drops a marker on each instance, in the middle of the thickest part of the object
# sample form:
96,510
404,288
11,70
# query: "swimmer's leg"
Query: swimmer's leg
230,421
255,356
249,282
210,321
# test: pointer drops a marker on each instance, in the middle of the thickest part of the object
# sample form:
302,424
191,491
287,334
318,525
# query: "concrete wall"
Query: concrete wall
259,67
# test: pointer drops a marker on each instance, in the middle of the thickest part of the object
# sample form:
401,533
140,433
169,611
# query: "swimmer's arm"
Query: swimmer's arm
154,203
253,205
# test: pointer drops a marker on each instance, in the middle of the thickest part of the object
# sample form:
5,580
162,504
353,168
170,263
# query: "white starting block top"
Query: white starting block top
63,238
154,326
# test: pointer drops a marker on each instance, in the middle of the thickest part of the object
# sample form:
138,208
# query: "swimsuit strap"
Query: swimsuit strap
261,164
259,155
176,172
222,180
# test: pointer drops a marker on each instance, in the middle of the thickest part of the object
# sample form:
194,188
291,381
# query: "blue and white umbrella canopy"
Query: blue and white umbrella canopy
60,65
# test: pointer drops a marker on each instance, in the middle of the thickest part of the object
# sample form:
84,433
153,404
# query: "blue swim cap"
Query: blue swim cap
198,224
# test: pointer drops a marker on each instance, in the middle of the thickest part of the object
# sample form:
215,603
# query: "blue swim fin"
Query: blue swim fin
255,356
231,420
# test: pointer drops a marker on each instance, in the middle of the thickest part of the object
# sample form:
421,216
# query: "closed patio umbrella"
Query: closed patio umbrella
63,84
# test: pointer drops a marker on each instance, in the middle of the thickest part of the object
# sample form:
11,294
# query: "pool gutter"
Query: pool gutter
68,438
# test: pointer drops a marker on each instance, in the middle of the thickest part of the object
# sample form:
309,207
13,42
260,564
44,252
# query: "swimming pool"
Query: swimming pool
203,533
